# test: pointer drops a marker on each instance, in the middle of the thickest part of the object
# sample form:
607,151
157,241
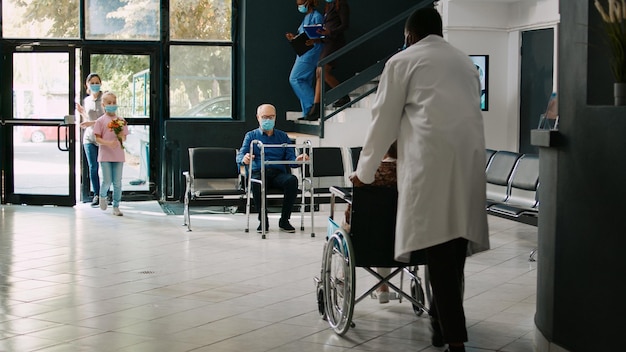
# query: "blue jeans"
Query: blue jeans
112,174
91,152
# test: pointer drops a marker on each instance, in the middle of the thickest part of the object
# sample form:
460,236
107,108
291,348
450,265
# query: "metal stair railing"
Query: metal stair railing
364,77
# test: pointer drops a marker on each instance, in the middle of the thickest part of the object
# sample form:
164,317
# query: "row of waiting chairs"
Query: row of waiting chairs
214,179
512,184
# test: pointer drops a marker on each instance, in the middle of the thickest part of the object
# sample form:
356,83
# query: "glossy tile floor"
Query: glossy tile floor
80,279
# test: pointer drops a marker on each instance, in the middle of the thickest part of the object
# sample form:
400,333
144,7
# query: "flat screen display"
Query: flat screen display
482,65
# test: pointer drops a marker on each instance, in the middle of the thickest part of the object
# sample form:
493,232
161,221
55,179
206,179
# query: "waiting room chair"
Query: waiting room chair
328,171
355,153
522,202
489,155
498,173
213,179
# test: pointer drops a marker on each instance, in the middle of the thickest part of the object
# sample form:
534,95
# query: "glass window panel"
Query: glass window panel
200,20
40,19
39,166
122,19
136,172
40,85
200,81
128,76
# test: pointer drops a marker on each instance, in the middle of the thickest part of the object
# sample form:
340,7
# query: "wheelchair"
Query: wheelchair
369,244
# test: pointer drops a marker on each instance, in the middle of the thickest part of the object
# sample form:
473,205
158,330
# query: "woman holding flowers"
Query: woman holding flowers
111,131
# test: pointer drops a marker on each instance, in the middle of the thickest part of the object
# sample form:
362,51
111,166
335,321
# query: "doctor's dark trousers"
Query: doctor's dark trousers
446,263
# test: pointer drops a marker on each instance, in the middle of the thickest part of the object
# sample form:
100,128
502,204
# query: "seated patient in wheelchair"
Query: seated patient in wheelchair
385,176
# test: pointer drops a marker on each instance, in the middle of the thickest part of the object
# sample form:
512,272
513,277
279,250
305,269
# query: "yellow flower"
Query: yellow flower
117,126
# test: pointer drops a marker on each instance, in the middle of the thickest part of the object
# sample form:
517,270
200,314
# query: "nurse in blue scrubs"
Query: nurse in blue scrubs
303,72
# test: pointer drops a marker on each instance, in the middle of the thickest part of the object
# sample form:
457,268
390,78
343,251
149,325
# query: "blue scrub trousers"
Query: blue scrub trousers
302,78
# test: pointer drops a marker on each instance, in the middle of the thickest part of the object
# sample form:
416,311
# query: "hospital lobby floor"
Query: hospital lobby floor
80,279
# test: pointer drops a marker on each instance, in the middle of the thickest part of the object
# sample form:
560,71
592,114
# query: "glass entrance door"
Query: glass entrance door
40,129
129,76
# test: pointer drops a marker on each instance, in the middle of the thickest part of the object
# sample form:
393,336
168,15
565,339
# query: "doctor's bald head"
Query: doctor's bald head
422,23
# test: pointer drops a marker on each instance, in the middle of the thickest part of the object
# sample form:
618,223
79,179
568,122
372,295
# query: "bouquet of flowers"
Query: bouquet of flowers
117,126
614,23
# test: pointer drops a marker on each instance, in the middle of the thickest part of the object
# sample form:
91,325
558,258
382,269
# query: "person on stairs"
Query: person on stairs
336,22
303,71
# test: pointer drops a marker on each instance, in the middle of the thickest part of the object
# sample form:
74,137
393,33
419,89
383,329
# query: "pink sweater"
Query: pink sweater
106,153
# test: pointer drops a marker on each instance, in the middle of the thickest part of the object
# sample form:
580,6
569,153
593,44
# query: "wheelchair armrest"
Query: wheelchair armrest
341,192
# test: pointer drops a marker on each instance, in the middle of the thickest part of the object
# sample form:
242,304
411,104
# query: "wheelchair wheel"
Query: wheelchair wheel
417,292
339,282
321,306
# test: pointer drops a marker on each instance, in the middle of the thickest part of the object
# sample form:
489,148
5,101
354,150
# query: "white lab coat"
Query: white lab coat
429,100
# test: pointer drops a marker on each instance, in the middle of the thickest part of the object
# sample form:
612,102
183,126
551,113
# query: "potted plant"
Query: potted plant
614,24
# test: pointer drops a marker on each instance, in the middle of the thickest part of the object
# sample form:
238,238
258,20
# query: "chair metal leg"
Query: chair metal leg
533,254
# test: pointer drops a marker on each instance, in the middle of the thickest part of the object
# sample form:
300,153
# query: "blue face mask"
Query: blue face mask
110,108
330,0
267,124
94,88
303,8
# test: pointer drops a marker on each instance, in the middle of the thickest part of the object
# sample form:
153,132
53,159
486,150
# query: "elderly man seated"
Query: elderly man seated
276,175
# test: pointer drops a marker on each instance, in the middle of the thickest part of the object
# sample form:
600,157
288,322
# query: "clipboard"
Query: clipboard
311,30
299,44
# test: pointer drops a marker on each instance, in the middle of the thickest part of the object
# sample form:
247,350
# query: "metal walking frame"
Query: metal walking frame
307,149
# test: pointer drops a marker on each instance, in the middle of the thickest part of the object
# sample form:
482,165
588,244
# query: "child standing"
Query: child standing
111,131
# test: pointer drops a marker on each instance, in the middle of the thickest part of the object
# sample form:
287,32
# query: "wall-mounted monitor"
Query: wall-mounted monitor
482,65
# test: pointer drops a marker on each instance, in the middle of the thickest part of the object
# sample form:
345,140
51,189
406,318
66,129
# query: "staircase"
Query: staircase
346,126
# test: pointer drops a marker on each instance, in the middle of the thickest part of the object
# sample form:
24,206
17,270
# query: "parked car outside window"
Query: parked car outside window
218,107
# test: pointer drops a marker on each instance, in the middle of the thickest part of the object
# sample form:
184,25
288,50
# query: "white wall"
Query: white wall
493,27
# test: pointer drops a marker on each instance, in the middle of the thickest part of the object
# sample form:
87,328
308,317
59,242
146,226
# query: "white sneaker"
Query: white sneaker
383,297
103,203
117,212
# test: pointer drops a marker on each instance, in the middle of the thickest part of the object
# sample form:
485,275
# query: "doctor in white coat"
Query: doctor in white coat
428,100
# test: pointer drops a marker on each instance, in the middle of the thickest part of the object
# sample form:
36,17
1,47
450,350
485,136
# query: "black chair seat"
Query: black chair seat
513,210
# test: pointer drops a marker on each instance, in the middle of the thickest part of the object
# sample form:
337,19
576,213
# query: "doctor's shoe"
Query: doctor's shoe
285,226
455,349
95,202
267,228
